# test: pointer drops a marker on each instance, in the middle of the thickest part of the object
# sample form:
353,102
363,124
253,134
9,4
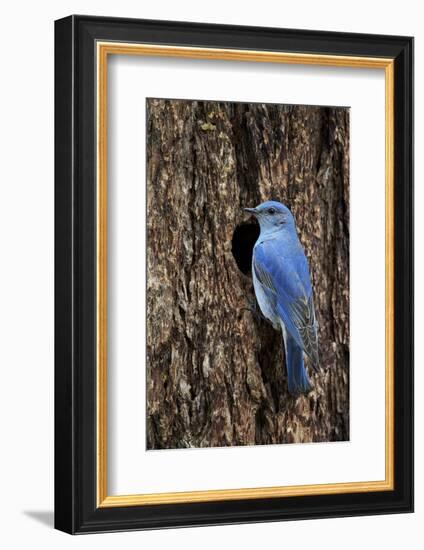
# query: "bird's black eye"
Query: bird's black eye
271,211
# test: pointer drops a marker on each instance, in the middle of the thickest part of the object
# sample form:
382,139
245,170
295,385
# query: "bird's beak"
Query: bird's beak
251,210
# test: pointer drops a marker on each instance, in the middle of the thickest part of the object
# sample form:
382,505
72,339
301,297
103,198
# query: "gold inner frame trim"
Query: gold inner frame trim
103,50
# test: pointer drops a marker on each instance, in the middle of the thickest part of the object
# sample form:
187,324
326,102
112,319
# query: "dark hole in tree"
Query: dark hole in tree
244,238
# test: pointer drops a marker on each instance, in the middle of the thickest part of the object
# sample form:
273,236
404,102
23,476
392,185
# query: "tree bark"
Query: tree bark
215,368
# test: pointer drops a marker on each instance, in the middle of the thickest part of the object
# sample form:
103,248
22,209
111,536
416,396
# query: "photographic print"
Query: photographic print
247,274
213,309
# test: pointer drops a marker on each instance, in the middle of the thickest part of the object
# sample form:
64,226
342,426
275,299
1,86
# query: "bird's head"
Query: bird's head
272,216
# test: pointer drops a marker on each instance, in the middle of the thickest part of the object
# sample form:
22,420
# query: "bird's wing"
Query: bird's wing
286,280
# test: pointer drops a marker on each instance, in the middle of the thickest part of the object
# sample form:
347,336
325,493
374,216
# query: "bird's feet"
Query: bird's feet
253,308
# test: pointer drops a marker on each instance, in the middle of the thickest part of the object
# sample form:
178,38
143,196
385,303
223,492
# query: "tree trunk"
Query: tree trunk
215,367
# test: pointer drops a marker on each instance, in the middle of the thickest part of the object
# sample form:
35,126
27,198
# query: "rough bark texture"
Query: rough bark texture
215,369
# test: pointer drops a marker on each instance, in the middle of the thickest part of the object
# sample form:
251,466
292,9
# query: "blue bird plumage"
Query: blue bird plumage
283,289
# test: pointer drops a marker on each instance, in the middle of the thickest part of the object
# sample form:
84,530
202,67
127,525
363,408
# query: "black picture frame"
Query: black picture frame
76,510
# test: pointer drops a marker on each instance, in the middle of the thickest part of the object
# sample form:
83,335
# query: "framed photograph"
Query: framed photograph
234,274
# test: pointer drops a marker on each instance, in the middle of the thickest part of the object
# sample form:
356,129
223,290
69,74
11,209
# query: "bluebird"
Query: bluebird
283,289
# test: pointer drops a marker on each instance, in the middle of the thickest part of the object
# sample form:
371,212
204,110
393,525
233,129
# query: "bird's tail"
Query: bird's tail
298,380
